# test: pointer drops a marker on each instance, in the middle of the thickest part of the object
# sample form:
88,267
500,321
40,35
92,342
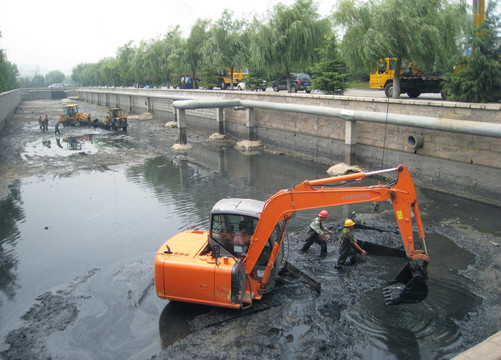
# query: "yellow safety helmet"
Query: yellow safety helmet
349,223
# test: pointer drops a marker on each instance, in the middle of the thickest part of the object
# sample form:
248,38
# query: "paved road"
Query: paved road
380,94
375,93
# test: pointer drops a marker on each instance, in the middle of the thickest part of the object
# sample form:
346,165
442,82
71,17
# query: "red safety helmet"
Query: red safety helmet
323,213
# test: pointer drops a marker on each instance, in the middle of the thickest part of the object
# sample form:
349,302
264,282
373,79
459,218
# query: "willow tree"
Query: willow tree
193,48
227,44
125,56
289,38
426,32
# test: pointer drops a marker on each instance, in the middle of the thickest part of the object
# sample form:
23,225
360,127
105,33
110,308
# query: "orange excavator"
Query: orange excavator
238,259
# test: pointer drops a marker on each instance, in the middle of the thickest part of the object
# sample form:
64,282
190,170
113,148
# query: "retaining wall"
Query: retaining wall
9,101
461,164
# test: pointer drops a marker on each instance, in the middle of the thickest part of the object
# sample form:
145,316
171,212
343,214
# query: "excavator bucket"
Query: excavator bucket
408,287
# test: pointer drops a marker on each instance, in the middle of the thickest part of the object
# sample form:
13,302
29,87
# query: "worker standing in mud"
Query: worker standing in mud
45,125
349,247
316,233
56,127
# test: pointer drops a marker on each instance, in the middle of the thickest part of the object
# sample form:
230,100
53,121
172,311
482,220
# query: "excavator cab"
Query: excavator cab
232,232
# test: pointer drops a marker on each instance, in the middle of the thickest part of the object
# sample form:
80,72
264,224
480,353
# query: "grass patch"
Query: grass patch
358,85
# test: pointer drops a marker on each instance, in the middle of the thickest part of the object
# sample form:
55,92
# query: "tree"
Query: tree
108,73
288,40
425,32
193,53
38,81
227,44
54,77
477,76
329,74
8,74
125,57
76,74
170,47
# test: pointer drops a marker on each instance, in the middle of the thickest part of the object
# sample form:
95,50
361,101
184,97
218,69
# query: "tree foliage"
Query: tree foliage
8,74
227,44
425,32
193,53
477,76
329,74
54,77
287,42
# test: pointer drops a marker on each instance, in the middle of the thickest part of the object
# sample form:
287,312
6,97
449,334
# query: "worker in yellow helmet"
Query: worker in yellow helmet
349,246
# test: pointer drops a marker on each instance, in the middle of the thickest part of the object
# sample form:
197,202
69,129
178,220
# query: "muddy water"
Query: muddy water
77,251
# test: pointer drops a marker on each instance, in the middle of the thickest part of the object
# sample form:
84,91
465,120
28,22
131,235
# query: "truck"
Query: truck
412,81
71,116
219,268
239,75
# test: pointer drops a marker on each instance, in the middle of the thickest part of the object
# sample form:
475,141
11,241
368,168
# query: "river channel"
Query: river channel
77,251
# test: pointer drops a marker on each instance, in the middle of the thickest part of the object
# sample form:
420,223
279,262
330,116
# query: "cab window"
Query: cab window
233,232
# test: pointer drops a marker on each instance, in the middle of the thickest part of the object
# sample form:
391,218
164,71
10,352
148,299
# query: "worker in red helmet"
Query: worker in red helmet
349,246
316,233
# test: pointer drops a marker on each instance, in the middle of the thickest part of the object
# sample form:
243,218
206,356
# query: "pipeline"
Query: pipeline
415,121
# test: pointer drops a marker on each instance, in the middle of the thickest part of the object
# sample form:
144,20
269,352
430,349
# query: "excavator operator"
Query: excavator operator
349,246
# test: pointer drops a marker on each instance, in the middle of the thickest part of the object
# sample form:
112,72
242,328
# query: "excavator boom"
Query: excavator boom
249,269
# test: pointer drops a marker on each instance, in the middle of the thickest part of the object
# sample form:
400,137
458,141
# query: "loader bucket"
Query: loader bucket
408,287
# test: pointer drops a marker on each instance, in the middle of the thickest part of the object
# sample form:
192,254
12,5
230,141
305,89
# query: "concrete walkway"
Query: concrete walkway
489,349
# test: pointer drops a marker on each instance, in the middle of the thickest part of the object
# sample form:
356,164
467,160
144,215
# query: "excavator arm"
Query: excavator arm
316,194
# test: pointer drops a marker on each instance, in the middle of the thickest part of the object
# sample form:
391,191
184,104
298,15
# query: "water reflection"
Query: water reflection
67,145
11,212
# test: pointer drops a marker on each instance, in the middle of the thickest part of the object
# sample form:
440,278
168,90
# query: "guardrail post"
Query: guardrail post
181,124
220,120
350,141
251,124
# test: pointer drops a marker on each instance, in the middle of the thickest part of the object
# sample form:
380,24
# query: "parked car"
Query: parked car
299,82
56,86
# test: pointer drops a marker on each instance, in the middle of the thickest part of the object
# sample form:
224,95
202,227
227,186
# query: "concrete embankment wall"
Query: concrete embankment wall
461,164
9,101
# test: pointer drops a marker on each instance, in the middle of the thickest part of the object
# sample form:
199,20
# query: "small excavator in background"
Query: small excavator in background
238,259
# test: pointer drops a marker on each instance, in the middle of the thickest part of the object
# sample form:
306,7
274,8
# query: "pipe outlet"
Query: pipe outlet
415,141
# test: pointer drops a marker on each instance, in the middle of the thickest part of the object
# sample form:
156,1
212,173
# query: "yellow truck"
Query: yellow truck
412,80
238,76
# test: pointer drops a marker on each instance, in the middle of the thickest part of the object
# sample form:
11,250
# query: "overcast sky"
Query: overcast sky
47,35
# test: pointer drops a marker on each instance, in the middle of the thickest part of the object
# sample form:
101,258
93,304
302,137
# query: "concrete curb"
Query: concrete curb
489,349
